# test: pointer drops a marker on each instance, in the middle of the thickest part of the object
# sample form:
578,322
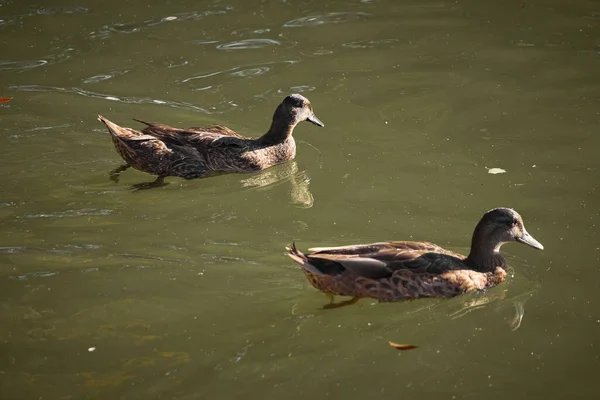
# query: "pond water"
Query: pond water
185,292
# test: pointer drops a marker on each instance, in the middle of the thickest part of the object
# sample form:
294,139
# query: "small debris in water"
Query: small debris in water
91,349
5,99
402,346
495,171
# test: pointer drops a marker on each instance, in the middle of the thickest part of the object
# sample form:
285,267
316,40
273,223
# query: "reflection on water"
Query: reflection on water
299,181
501,301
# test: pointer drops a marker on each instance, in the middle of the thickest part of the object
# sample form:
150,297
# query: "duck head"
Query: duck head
293,109
503,225
497,227
296,108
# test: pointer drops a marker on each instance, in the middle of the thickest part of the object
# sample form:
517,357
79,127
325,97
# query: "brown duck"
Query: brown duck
392,271
197,152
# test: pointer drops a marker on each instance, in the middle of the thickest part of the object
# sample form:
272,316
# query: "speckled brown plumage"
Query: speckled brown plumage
197,152
392,271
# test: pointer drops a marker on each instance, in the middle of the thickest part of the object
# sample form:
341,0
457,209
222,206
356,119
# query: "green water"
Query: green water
185,292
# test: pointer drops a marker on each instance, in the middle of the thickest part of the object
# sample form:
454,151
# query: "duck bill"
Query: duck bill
312,118
527,239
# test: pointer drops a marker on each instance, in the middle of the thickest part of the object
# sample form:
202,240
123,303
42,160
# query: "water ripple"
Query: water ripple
299,89
95,95
107,30
240,71
322,52
284,92
62,54
368,44
202,42
20,66
104,77
44,11
124,28
594,15
60,249
85,212
60,10
191,15
11,249
45,128
329,18
247,44
181,64
41,274
251,72
249,31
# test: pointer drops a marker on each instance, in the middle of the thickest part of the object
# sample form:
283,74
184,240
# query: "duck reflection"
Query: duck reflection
502,301
299,181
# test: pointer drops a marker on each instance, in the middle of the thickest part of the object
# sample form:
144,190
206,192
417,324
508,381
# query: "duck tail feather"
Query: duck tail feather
113,128
302,259
120,133
144,122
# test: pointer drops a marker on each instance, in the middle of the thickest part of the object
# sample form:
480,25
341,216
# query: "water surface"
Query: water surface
184,292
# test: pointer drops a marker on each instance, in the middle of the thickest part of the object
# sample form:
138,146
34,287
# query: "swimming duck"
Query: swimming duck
197,152
393,271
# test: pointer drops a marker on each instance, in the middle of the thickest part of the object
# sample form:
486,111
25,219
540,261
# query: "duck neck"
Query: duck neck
485,252
281,129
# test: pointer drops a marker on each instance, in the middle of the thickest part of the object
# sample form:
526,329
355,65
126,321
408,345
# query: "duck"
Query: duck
404,270
199,152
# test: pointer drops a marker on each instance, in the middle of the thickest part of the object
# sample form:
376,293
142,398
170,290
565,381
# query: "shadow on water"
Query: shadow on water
286,173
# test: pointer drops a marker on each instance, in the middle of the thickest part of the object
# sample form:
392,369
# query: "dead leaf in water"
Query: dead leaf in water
5,99
402,346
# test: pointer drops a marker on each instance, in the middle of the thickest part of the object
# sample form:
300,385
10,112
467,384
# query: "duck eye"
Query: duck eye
509,222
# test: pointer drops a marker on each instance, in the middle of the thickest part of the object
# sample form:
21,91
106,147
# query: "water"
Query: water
184,292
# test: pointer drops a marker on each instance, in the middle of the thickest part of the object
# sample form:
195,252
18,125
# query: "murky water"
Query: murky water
184,292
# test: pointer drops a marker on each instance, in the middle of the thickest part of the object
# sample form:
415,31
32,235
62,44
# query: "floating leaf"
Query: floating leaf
402,346
496,171
5,99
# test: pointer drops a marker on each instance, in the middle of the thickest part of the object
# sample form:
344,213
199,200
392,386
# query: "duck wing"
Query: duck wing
217,130
381,260
212,136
